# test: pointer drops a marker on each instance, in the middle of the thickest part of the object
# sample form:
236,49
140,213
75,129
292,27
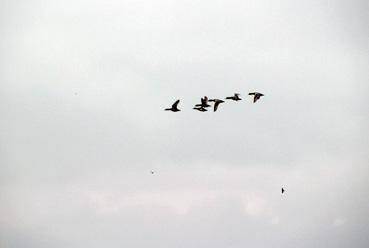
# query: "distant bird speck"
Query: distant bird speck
256,95
204,103
235,97
201,109
282,190
174,107
216,103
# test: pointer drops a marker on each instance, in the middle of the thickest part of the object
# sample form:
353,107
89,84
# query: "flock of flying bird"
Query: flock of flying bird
205,104
202,107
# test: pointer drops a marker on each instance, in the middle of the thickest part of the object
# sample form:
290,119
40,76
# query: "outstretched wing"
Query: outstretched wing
257,96
216,106
175,104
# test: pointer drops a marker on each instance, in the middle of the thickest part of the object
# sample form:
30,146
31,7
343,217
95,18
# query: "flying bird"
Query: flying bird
216,103
256,95
174,107
152,172
235,97
201,108
204,102
282,190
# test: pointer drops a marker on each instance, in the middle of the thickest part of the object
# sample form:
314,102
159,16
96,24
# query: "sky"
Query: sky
83,88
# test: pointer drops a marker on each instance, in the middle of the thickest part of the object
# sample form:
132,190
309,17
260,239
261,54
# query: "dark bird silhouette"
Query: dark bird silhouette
152,172
204,103
256,95
174,107
282,190
216,103
236,97
200,108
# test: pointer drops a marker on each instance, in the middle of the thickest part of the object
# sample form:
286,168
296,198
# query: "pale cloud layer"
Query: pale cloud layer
83,85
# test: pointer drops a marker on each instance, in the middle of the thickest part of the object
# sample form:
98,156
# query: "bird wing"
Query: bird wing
216,105
204,100
217,102
252,93
175,104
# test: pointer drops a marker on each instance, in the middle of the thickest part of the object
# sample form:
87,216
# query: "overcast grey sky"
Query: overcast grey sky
83,85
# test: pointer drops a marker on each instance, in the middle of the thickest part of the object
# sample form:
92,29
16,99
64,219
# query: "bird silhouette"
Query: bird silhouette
282,190
235,97
200,108
256,95
174,107
204,103
152,172
216,103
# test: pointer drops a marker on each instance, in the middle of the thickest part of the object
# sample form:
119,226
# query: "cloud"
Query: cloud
339,221
74,168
